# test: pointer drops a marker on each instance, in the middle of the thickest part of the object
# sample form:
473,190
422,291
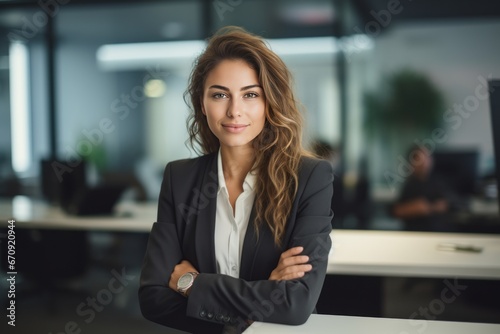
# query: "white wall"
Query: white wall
166,131
84,93
316,88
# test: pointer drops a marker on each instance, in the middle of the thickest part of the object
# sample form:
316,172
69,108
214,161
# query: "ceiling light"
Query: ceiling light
155,88
182,54
138,55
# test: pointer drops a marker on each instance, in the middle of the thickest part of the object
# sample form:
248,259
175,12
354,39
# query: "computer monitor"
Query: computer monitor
494,88
458,169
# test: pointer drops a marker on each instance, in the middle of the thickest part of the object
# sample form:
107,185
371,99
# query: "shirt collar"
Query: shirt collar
248,183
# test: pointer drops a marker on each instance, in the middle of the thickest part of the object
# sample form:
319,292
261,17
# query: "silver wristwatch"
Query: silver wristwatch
185,282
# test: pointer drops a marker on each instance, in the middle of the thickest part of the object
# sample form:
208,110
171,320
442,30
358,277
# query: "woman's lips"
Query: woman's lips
234,128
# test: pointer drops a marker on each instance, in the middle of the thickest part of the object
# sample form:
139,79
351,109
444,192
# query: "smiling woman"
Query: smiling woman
242,231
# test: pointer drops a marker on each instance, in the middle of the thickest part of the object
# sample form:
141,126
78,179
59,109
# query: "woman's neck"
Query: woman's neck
237,162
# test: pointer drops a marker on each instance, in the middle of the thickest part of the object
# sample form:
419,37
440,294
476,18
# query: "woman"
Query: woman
243,231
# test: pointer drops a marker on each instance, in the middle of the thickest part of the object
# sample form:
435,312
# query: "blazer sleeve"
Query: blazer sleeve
224,299
157,301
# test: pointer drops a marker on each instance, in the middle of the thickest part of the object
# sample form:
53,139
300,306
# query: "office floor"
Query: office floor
39,312
103,300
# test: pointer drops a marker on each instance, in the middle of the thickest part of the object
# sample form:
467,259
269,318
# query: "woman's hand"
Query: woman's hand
291,265
179,270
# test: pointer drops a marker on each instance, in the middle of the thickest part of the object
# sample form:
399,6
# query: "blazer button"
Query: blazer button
226,319
210,315
218,317
203,314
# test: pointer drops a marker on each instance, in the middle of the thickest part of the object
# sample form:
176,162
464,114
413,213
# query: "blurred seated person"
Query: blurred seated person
423,200
326,151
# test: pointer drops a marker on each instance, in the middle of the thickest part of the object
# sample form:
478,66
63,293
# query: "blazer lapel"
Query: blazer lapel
250,247
205,220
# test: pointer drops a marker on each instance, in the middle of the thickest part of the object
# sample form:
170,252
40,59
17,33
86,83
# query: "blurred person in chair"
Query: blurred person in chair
243,231
423,200
326,151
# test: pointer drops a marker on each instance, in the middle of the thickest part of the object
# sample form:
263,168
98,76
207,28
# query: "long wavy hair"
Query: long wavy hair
278,148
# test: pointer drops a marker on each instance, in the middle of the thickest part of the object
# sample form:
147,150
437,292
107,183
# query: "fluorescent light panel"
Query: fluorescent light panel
304,46
119,56
19,107
116,56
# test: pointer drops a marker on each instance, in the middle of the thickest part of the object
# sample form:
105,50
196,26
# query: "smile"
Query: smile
235,128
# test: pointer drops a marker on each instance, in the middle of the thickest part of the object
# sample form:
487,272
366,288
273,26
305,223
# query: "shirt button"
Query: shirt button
233,268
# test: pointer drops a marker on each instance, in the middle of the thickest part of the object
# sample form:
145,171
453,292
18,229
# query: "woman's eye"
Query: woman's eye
219,96
251,95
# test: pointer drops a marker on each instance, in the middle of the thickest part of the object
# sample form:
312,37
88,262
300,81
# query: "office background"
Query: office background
103,82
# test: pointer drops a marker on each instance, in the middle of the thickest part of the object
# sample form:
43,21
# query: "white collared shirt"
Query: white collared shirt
230,229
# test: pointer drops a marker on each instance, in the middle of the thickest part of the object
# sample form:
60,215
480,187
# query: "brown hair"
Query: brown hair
278,147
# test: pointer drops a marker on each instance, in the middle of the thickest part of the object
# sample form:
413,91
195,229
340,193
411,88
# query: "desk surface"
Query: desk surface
413,254
354,252
129,217
327,324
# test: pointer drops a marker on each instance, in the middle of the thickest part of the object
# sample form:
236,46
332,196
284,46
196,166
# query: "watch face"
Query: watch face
185,280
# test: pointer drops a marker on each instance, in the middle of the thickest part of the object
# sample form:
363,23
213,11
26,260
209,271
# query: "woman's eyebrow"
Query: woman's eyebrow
219,87
251,86
227,89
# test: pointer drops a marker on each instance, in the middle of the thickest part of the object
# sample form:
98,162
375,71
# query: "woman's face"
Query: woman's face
234,103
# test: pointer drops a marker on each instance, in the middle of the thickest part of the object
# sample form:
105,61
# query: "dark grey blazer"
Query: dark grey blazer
185,230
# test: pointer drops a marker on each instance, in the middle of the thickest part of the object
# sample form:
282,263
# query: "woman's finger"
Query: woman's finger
293,272
291,252
297,268
292,276
294,260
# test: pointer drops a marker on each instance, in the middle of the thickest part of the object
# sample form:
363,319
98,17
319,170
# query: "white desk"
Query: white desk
327,324
129,217
413,254
354,252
